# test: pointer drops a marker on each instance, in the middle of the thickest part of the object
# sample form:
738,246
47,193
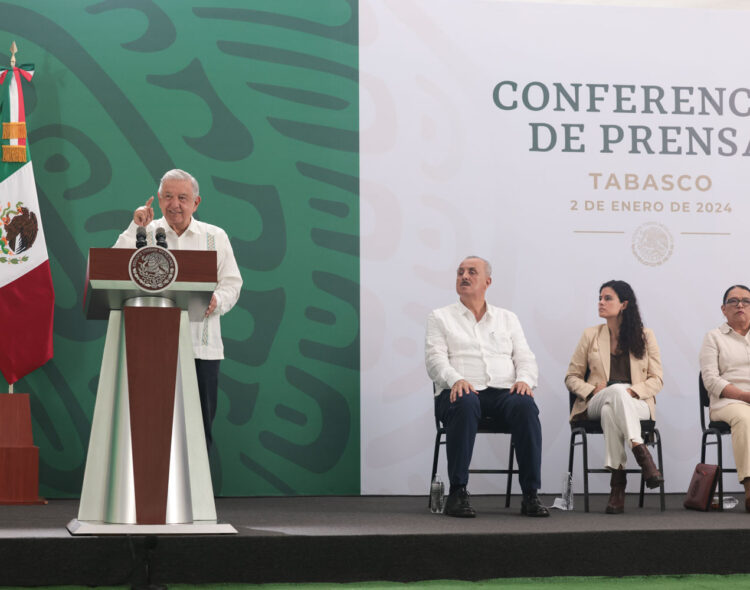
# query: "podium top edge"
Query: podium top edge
111,264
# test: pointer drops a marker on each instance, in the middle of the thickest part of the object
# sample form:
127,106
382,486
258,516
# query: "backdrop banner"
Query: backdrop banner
569,145
259,101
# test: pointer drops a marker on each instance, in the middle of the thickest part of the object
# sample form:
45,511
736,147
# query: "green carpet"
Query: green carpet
694,582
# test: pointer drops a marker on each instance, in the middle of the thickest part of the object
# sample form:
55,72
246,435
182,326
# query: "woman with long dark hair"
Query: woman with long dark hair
615,373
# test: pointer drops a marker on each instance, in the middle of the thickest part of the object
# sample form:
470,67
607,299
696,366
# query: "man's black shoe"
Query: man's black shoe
531,506
457,504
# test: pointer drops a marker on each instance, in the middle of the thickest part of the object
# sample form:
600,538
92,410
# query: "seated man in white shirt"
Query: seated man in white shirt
178,199
478,358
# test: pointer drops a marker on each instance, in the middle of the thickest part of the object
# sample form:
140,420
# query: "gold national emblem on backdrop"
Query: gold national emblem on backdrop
652,244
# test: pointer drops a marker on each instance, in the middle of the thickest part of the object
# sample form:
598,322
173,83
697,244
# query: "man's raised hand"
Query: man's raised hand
144,215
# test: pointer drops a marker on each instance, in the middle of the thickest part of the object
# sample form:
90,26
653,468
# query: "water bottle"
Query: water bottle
437,495
567,492
729,502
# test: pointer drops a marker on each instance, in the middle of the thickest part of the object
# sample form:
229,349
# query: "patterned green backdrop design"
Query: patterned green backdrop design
258,99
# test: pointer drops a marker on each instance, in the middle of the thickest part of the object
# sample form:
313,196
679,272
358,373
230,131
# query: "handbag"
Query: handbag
702,487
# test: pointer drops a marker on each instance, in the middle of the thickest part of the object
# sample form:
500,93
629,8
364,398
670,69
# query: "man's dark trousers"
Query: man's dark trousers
207,372
518,414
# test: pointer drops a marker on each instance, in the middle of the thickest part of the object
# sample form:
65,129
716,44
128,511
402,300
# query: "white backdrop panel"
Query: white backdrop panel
446,173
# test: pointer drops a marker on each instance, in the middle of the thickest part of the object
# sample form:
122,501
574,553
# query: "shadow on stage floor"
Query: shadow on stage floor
350,539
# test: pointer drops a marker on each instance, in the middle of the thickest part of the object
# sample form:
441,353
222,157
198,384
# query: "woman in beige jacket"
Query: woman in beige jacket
615,373
726,374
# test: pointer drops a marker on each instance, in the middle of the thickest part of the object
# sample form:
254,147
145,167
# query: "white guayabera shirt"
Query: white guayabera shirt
492,352
207,344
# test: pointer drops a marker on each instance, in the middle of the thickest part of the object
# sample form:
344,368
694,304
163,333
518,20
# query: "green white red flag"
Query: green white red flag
27,299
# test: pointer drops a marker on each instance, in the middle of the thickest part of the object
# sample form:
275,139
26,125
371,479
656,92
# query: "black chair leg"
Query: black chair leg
511,454
584,444
435,457
642,492
662,499
584,439
572,449
571,454
721,475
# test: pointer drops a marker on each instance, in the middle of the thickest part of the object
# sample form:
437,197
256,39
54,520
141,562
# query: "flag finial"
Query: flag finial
13,51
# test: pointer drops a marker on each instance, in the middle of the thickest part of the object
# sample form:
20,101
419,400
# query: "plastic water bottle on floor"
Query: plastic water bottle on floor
729,502
565,501
567,493
437,495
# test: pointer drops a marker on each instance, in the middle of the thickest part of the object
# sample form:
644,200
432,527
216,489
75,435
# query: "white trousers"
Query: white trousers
738,417
621,417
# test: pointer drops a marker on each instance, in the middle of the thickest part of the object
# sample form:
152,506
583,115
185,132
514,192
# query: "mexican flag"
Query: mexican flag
27,299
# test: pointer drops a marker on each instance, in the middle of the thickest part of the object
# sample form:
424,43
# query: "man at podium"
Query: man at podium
179,197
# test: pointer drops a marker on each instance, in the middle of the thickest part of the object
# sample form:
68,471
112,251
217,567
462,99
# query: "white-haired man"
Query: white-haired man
478,358
179,197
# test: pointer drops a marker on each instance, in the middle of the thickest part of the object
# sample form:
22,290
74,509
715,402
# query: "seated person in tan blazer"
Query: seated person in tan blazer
725,369
621,359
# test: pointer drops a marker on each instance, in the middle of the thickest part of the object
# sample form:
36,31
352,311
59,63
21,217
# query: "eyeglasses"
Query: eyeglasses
734,302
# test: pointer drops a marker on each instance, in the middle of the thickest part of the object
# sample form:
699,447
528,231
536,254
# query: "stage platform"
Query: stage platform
350,539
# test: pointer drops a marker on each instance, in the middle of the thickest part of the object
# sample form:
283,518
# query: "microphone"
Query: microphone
161,238
140,237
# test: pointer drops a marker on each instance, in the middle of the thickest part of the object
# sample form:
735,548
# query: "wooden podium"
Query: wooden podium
147,469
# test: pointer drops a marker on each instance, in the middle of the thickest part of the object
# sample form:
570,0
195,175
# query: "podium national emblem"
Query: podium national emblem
153,268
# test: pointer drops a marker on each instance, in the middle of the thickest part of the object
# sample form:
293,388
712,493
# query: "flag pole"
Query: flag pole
13,51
